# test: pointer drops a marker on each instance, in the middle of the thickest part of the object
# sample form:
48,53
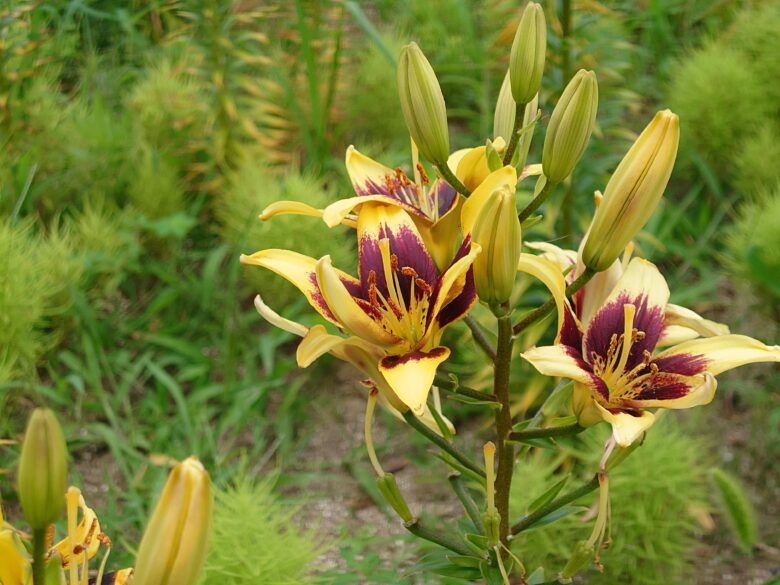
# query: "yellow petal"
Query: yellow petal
725,352
88,526
549,273
627,428
411,375
640,279
289,208
426,417
679,322
555,360
503,178
452,283
344,308
565,259
277,320
300,271
12,564
473,167
336,212
364,170
441,237
597,291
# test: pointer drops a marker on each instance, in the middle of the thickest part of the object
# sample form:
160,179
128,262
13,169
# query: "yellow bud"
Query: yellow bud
633,191
175,541
506,108
423,105
526,61
43,470
497,230
571,125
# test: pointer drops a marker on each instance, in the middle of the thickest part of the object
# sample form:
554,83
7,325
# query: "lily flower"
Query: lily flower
613,362
430,204
400,303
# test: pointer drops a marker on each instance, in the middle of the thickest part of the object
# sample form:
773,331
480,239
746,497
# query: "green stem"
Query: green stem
505,450
547,307
39,557
454,181
448,385
568,498
456,481
571,429
480,337
419,529
536,201
515,139
442,443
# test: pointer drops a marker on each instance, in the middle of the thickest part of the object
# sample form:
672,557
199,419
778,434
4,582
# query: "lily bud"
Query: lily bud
581,557
389,489
570,126
506,109
633,191
43,470
175,541
423,105
526,61
497,230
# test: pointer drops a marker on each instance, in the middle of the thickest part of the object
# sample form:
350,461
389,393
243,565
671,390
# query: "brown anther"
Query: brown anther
78,549
104,539
49,537
654,368
647,356
637,335
390,184
394,262
396,310
409,271
423,174
424,286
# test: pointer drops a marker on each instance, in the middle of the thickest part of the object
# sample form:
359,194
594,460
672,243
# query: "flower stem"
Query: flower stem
442,443
454,181
547,307
448,385
531,519
39,556
571,429
515,139
480,337
536,201
456,481
419,529
506,451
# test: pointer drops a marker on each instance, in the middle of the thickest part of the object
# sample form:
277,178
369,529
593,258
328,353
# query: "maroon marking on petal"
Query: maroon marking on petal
684,364
632,411
397,187
370,260
319,300
609,320
571,335
460,305
443,194
468,290
392,361
663,386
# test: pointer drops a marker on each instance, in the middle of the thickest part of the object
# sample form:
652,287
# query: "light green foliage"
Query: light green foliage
652,493
35,276
250,190
710,92
736,507
754,243
756,161
255,540
156,190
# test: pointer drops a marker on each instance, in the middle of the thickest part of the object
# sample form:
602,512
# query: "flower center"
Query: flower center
404,319
623,384
401,187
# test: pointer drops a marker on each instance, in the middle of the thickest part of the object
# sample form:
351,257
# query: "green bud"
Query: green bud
570,126
492,522
175,541
423,105
506,108
497,230
633,191
526,61
580,558
389,488
529,122
43,470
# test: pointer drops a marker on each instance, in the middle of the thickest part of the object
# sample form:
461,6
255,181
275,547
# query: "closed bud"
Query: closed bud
389,489
43,470
423,105
581,557
526,61
175,541
571,125
633,191
506,108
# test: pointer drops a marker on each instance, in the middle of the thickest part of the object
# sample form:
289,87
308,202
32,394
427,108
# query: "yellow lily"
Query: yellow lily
400,303
612,358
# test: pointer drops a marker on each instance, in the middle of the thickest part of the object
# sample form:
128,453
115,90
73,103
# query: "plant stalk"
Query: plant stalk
454,181
437,536
39,557
505,449
531,519
480,337
536,202
442,443
515,139
548,306
571,429
448,385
